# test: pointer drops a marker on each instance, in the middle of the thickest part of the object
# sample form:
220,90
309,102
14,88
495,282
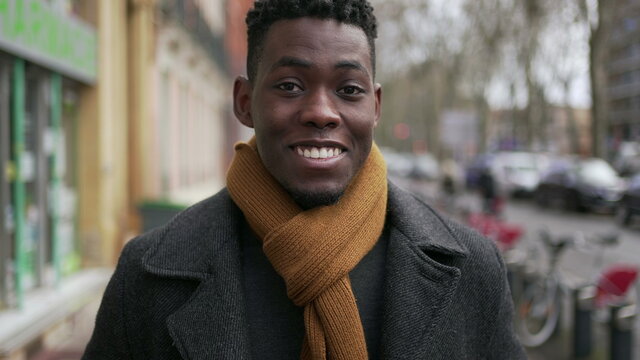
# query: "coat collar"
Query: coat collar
423,260
202,244
421,225
189,245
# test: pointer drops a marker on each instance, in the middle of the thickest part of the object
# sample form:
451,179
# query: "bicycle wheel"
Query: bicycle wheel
538,312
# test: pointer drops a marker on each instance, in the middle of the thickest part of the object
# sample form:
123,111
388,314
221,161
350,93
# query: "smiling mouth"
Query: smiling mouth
313,152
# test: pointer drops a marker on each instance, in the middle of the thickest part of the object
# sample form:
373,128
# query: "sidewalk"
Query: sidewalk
559,348
55,320
76,333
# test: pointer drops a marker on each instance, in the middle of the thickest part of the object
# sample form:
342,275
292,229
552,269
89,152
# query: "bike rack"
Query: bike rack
583,300
621,331
609,291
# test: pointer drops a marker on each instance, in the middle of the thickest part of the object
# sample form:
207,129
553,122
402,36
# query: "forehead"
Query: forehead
316,41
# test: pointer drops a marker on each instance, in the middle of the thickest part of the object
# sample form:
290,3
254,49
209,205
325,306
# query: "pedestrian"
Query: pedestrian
487,186
309,252
448,185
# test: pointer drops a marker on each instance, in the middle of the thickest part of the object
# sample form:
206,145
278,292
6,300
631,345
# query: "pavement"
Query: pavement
73,336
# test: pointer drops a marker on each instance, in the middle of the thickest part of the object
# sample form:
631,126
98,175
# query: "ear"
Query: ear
378,100
242,101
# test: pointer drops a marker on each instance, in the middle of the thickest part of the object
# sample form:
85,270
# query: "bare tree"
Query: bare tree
599,56
443,54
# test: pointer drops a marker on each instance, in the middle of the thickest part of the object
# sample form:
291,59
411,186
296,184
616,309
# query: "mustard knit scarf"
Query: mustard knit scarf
315,250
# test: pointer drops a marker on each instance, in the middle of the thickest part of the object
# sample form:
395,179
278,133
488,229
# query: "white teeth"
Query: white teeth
318,153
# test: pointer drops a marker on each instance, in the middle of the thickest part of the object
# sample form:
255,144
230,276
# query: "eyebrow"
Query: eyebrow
347,64
290,61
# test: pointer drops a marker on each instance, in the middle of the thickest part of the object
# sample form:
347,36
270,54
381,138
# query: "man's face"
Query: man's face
313,105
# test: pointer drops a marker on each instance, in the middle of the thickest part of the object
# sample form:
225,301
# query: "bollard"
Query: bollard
513,260
621,328
583,298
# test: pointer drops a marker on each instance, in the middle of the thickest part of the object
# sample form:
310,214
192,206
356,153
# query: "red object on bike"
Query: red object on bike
614,283
509,235
505,235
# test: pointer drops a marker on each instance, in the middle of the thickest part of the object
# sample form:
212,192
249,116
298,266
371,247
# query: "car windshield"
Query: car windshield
598,172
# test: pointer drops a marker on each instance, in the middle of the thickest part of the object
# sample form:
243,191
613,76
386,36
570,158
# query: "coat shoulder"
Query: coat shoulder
414,215
179,247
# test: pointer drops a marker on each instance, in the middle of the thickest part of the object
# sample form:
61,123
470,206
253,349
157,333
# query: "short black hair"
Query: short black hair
266,12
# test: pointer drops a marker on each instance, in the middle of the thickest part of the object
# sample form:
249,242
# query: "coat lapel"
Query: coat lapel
421,279
212,325
203,245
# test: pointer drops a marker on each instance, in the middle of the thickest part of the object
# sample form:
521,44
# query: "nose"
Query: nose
320,110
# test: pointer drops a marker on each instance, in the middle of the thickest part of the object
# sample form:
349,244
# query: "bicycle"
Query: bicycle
539,306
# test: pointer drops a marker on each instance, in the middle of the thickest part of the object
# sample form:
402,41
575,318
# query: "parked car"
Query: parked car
580,184
627,158
629,205
517,173
398,164
425,167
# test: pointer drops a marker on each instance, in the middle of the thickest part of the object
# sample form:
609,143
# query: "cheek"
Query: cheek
272,119
363,129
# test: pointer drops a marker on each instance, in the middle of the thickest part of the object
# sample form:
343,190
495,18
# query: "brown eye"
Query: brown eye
351,90
289,87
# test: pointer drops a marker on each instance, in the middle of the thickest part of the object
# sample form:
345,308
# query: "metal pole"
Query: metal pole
583,326
6,220
621,332
18,119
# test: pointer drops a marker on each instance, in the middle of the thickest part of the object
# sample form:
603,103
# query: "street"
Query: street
577,265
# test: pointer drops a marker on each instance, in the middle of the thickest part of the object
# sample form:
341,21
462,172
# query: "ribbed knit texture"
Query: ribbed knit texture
315,250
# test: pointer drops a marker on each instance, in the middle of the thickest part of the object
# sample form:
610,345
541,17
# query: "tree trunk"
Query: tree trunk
482,109
599,56
572,126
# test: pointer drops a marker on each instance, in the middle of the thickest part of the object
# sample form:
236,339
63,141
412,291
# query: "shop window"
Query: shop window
35,177
68,246
29,196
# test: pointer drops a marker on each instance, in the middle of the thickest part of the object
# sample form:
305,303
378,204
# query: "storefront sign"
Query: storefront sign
35,31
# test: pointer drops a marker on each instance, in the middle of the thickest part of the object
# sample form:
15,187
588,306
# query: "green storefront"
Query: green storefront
47,55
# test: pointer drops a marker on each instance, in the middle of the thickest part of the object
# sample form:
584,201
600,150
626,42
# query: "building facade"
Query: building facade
47,58
104,105
236,49
189,103
49,90
624,74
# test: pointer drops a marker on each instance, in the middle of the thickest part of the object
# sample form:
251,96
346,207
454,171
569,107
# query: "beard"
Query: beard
311,200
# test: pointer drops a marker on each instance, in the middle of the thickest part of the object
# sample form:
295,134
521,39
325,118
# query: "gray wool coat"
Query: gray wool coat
177,290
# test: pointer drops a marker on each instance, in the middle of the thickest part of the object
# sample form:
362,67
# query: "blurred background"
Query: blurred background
116,114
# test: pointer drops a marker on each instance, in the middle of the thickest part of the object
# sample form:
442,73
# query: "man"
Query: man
309,253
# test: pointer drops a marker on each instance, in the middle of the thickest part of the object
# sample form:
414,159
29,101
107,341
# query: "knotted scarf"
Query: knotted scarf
314,250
